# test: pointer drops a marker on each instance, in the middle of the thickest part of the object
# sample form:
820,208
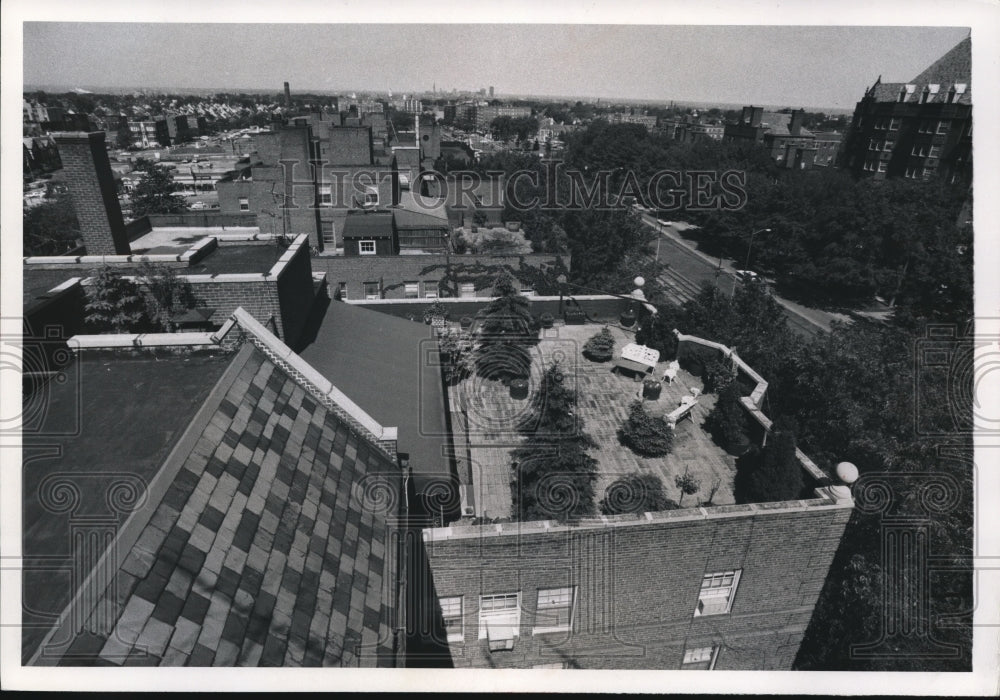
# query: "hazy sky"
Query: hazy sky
818,66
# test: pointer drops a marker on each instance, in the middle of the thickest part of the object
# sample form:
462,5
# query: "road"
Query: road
689,269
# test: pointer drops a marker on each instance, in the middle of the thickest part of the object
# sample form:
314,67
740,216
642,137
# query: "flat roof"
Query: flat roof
603,400
385,365
112,419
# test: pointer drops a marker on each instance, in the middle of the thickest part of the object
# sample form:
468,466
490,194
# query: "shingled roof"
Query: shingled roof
952,69
267,540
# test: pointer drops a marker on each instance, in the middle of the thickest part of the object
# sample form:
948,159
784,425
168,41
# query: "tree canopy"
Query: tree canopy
154,194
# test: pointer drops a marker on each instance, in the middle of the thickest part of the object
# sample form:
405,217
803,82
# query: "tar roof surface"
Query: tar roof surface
113,419
384,364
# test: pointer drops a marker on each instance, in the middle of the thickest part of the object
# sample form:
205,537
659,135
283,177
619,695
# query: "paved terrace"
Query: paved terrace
484,418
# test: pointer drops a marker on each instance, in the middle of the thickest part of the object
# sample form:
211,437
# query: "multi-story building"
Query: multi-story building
150,133
481,116
626,118
919,129
790,144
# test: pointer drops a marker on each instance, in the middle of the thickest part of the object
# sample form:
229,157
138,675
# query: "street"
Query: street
689,269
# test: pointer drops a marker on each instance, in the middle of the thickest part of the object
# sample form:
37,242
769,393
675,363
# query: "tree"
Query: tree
457,360
507,333
636,493
773,473
154,194
726,421
687,484
553,474
656,331
600,347
167,295
644,434
51,228
114,303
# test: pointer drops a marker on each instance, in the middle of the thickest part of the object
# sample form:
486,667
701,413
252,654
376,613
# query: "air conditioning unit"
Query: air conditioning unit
712,606
500,637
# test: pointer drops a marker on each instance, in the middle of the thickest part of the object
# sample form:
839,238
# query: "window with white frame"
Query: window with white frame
702,658
942,127
366,247
451,611
329,232
555,665
430,290
244,204
882,166
888,145
372,291
343,290
467,290
894,124
499,616
717,593
411,290
554,611
935,152
326,195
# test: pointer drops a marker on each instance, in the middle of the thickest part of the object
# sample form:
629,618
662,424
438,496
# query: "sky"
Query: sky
818,66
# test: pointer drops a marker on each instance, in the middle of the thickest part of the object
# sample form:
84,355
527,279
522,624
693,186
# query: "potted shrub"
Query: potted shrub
575,317
436,310
547,320
465,323
644,434
600,347
627,318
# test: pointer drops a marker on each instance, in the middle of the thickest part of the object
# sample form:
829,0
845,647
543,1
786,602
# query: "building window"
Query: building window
717,593
326,195
894,124
554,612
942,127
343,290
467,290
451,611
701,659
527,290
888,145
499,617
244,204
329,233
555,665
430,290
411,290
372,291
366,247
882,166
935,152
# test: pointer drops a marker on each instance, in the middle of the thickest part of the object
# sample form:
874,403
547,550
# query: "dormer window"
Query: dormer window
902,94
924,95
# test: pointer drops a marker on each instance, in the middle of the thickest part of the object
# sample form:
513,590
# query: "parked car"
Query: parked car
199,205
747,275
664,222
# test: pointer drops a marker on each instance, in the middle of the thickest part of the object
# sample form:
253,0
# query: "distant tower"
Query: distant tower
491,92
288,95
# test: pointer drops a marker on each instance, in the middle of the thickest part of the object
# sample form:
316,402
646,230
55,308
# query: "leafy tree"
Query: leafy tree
644,434
636,493
167,295
51,228
656,331
772,473
507,333
458,361
600,347
726,421
114,303
154,194
687,484
553,474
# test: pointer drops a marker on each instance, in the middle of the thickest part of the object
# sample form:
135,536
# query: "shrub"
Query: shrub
114,303
687,484
457,360
636,493
726,421
435,310
645,435
717,374
600,347
507,331
168,295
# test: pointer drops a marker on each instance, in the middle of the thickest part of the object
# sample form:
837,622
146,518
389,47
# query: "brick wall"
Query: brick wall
91,184
637,587
597,308
259,297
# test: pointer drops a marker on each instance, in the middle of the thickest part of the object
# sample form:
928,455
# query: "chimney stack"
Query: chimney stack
795,125
288,95
91,184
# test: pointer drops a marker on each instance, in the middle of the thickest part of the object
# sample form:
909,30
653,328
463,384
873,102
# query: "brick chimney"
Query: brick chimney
795,125
756,115
91,184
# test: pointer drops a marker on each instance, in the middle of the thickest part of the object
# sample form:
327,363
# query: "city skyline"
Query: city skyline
812,67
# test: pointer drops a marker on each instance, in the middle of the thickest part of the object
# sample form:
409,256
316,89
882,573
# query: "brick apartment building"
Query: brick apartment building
918,129
789,143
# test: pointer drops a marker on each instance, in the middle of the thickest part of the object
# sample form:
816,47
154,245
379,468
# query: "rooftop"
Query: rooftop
382,363
488,414
256,548
132,406
368,224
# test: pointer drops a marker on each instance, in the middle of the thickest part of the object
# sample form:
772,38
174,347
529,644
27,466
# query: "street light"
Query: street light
750,247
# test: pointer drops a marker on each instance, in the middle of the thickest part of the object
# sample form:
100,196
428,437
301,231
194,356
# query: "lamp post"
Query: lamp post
561,279
750,247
